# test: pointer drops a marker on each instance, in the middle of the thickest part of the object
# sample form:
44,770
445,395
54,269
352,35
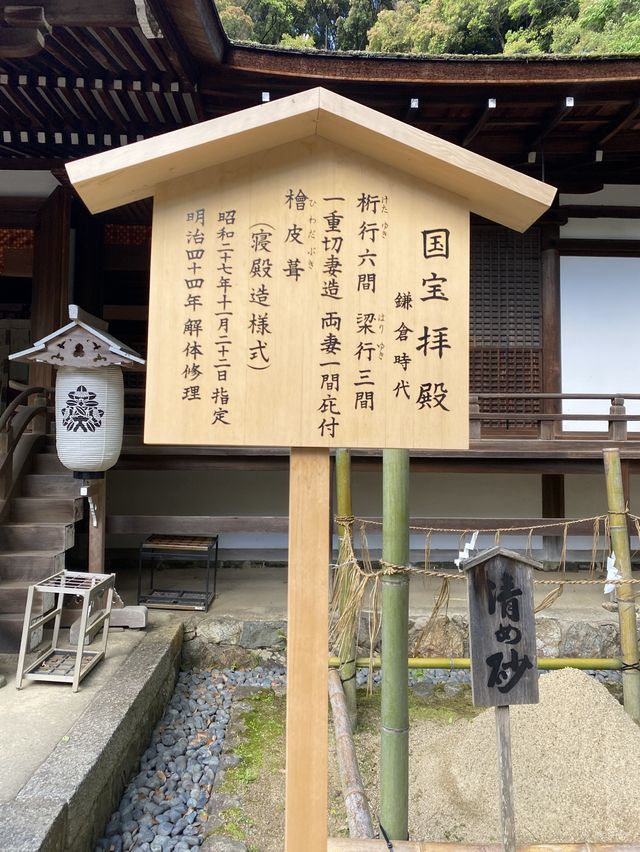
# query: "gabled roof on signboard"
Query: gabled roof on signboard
44,349
128,174
497,550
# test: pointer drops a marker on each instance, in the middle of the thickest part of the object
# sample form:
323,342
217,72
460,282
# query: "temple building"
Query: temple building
553,347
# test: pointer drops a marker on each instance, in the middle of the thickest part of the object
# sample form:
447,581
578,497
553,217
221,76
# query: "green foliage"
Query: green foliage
439,26
352,31
236,22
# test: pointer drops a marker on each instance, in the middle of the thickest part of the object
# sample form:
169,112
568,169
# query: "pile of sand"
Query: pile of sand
576,769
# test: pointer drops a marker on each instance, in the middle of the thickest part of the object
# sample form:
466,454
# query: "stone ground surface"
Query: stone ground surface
37,717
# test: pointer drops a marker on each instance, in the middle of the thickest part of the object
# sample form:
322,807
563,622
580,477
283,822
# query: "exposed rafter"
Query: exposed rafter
480,123
552,122
616,127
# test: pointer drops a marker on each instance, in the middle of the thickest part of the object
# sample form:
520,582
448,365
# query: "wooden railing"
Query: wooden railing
548,421
29,407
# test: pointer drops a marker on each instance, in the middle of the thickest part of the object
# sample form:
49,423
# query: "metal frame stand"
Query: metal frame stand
179,548
66,665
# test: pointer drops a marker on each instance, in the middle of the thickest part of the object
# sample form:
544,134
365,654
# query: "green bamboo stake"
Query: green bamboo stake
625,595
394,735
347,649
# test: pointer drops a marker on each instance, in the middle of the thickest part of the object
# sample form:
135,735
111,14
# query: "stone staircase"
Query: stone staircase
39,529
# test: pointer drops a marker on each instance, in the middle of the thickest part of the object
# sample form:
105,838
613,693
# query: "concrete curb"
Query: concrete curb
67,802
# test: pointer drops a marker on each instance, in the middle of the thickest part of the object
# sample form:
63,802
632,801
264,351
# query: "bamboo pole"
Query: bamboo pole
347,649
342,844
355,798
626,600
394,733
595,663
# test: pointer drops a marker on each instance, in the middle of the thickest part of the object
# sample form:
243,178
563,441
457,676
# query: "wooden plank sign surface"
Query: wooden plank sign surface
309,297
502,630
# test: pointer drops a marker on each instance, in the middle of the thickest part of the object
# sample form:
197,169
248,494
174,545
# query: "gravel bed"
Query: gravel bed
164,806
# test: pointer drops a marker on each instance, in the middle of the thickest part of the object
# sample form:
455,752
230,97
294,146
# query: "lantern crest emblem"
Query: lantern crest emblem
82,411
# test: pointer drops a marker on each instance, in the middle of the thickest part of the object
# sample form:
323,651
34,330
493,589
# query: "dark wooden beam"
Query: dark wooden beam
20,42
86,13
173,43
19,212
552,122
451,73
599,248
480,123
599,211
212,28
620,124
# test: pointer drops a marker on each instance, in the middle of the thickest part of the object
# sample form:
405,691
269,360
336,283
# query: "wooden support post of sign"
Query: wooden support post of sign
307,645
97,494
505,777
625,594
347,649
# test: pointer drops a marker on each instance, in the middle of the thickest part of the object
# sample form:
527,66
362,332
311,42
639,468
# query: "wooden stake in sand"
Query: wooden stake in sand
502,636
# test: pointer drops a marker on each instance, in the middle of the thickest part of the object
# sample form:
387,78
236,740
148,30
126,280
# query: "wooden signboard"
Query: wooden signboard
502,629
309,297
309,289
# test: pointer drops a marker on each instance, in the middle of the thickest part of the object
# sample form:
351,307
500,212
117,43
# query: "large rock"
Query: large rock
581,639
221,631
610,640
446,638
548,637
263,634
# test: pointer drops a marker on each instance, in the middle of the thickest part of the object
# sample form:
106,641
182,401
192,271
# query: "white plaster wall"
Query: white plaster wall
226,492
585,495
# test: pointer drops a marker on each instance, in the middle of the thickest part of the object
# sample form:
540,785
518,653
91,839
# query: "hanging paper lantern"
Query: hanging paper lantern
89,417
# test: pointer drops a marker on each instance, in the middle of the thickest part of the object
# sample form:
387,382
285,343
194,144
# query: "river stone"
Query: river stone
581,640
446,638
548,637
263,634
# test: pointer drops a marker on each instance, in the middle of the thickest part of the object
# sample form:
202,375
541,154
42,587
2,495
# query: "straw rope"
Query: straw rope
355,579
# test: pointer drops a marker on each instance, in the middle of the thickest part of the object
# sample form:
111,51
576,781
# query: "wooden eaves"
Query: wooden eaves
496,192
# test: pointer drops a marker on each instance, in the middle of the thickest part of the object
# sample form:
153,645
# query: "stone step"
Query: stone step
50,485
48,463
13,598
47,509
30,565
36,536
10,633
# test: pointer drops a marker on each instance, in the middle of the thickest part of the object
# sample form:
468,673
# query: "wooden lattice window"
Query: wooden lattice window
506,318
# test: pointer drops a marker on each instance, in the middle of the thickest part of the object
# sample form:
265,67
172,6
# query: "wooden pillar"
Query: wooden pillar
551,341
97,525
553,504
50,292
307,651
88,278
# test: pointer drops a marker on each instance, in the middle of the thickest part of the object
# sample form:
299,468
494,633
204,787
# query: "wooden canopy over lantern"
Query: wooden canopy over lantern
83,342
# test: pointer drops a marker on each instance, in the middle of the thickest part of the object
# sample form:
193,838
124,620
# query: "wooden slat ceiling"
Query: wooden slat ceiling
77,77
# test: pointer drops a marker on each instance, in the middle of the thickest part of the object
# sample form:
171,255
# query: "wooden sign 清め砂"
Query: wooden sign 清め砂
502,630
